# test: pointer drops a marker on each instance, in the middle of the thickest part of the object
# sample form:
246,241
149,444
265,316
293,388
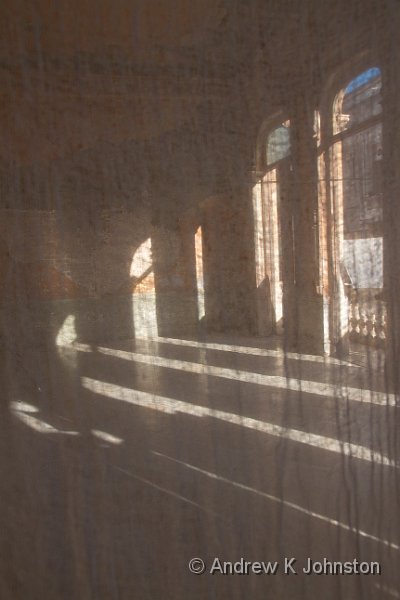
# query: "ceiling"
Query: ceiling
76,75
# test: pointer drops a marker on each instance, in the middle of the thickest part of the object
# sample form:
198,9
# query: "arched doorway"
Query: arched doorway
354,161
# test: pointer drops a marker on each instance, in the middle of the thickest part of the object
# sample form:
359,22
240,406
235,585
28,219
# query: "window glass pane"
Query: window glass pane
362,182
360,100
278,144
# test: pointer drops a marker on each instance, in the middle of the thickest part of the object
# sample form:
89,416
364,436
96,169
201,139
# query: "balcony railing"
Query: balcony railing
367,319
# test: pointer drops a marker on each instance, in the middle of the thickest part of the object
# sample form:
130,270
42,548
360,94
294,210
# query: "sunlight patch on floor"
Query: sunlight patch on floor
40,426
171,406
106,437
251,351
338,391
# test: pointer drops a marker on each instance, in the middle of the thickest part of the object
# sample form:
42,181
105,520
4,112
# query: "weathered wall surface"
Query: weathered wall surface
119,129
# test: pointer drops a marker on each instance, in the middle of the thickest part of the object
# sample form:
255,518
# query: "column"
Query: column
308,301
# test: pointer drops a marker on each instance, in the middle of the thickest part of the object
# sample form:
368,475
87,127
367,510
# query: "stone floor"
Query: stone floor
123,461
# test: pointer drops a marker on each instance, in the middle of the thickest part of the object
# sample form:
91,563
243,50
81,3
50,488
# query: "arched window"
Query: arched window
356,195
272,215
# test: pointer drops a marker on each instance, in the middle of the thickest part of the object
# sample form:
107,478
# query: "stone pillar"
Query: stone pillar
230,300
308,300
173,253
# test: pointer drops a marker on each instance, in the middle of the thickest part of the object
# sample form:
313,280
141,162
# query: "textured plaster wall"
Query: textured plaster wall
125,126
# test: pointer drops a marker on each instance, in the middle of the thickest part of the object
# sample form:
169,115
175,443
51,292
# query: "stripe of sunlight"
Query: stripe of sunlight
171,406
167,491
106,437
23,407
276,381
249,350
286,503
19,410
